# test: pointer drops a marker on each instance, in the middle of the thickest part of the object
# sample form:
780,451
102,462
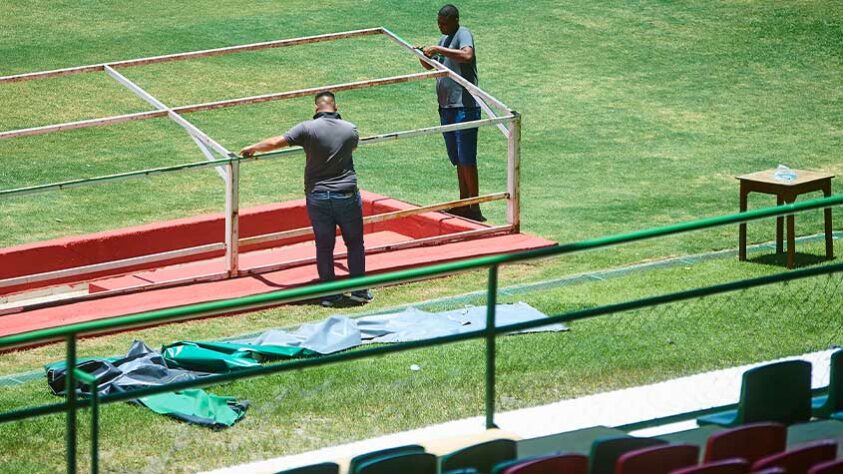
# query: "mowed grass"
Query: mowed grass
636,114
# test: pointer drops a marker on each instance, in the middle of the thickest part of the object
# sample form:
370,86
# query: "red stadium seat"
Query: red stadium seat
658,459
832,467
800,460
751,442
559,464
729,466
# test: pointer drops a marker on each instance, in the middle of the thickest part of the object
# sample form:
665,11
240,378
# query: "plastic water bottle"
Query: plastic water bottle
783,173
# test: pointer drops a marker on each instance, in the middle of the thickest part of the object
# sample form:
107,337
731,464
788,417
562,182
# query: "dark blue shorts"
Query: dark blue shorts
462,144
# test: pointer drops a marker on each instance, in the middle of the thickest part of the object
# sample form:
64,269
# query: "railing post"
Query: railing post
491,303
513,173
95,427
232,218
70,391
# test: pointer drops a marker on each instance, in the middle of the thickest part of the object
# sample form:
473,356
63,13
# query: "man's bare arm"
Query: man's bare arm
264,146
463,55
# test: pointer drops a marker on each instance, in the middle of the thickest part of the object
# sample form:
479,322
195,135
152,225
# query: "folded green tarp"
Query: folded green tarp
197,407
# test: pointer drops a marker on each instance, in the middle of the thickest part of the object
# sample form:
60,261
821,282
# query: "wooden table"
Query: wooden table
786,193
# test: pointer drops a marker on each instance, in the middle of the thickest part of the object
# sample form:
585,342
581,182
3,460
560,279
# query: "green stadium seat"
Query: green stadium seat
356,461
778,392
483,456
826,405
606,451
323,468
404,463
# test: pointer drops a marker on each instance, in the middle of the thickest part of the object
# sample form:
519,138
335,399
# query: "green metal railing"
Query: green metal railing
70,333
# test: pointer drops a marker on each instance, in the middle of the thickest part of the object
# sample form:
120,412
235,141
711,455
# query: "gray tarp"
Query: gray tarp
338,333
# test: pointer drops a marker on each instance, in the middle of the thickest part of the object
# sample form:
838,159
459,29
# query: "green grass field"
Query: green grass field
636,114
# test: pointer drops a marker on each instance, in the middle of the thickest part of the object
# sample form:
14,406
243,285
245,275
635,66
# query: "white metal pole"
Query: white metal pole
513,173
232,218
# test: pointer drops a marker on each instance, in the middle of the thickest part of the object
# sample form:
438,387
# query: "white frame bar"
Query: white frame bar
42,130
232,241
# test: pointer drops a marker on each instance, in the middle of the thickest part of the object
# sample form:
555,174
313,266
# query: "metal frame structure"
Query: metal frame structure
71,333
227,163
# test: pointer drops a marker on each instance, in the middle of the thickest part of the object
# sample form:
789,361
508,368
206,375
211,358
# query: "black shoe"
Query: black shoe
362,296
475,214
331,301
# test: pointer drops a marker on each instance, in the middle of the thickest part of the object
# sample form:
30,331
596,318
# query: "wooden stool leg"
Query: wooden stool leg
791,235
829,244
779,227
742,227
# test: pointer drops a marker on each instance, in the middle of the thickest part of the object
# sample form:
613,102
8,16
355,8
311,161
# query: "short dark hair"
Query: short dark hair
324,94
449,11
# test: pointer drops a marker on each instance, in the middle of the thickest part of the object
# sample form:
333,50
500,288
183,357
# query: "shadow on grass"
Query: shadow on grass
801,259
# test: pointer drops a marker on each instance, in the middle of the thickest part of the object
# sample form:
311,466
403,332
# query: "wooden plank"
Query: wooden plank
113,265
232,218
259,239
190,55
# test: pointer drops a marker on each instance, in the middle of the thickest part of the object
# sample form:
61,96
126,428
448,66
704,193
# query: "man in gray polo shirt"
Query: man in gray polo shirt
330,185
455,51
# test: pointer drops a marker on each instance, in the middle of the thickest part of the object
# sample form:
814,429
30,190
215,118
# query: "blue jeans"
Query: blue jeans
462,144
327,210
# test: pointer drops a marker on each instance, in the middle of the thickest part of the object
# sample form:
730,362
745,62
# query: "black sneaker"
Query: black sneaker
331,301
362,296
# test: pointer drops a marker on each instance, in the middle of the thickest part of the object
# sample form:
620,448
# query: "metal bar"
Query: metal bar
113,265
308,92
217,105
70,391
513,173
436,129
191,55
147,97
474,90
232,219
270,299
491,302
209,156
259,239
97,122
223,161
328,288
91,381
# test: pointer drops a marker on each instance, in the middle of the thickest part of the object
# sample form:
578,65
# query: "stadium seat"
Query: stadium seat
770,470
729,466
405,463
383,453
800,460
778,392
555,464
831,467
483,456
465,470
658,459
323,468
605,451
751,442
826,405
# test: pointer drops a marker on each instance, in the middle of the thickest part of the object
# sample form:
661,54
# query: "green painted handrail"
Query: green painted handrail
314,291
